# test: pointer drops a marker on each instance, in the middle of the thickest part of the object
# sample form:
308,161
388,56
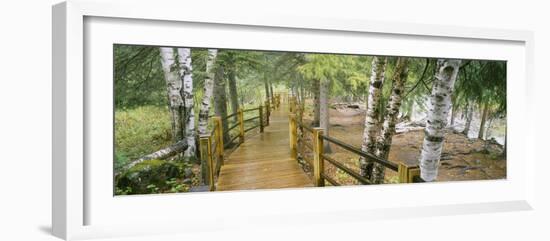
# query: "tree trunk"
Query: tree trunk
483,120
160,154
174,86
392,113
266,85
469,116
316,103
184,57
453,115
371,129
302,100
489,127
220,100
324,112
505,143
271,89
233,96
207,95
440,103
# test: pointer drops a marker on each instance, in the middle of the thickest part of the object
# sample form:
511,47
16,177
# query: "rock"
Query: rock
403,127
187,181
446,156
150,172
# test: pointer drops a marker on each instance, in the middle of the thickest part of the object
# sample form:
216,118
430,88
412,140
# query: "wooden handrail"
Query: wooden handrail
318,163
387,164
251,109
406,174
251,118
293,135
212,144
241,126
207,169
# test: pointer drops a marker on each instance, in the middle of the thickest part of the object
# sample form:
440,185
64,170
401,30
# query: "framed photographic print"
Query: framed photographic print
167,123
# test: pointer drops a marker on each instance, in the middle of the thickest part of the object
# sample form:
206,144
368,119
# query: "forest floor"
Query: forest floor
462,158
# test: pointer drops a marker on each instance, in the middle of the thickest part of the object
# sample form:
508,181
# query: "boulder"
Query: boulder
138,178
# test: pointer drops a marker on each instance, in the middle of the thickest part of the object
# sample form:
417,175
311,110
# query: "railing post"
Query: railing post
318,163
207,170
407,174
268,112
261,114
219,137
241,125
293,134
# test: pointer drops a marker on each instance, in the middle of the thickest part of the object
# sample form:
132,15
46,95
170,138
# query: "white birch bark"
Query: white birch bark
372,124
174,87
186,75
440,103
207,95
161,154
392,113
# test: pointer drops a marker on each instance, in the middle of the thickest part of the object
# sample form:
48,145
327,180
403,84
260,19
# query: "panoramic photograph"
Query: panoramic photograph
190,119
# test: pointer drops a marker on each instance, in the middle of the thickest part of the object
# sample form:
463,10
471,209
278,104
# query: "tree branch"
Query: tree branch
421,78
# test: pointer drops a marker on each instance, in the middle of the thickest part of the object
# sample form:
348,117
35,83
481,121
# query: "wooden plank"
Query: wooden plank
264,160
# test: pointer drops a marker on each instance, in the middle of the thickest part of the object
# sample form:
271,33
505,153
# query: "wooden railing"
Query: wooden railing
304,138
212,146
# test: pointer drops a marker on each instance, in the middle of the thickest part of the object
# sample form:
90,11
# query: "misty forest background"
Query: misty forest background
360,92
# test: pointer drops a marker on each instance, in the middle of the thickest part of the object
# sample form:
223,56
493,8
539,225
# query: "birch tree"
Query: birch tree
372,124
440,103
174,86
392,112
208,88
186,75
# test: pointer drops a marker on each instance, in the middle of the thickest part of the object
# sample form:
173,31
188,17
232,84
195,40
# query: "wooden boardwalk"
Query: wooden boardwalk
263,160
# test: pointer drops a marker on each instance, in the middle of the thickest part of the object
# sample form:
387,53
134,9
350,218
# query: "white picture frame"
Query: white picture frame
74,198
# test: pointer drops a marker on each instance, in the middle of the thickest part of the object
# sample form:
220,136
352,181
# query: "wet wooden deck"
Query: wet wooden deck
263,160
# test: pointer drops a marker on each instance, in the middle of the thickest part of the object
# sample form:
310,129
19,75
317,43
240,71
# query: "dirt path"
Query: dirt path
462,158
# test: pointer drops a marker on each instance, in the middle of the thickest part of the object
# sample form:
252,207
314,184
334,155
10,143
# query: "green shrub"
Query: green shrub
152,176
140,131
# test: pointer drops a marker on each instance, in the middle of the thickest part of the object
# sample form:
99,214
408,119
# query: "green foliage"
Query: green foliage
348,74
143,122
140,131
138,76
153,176
482,82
